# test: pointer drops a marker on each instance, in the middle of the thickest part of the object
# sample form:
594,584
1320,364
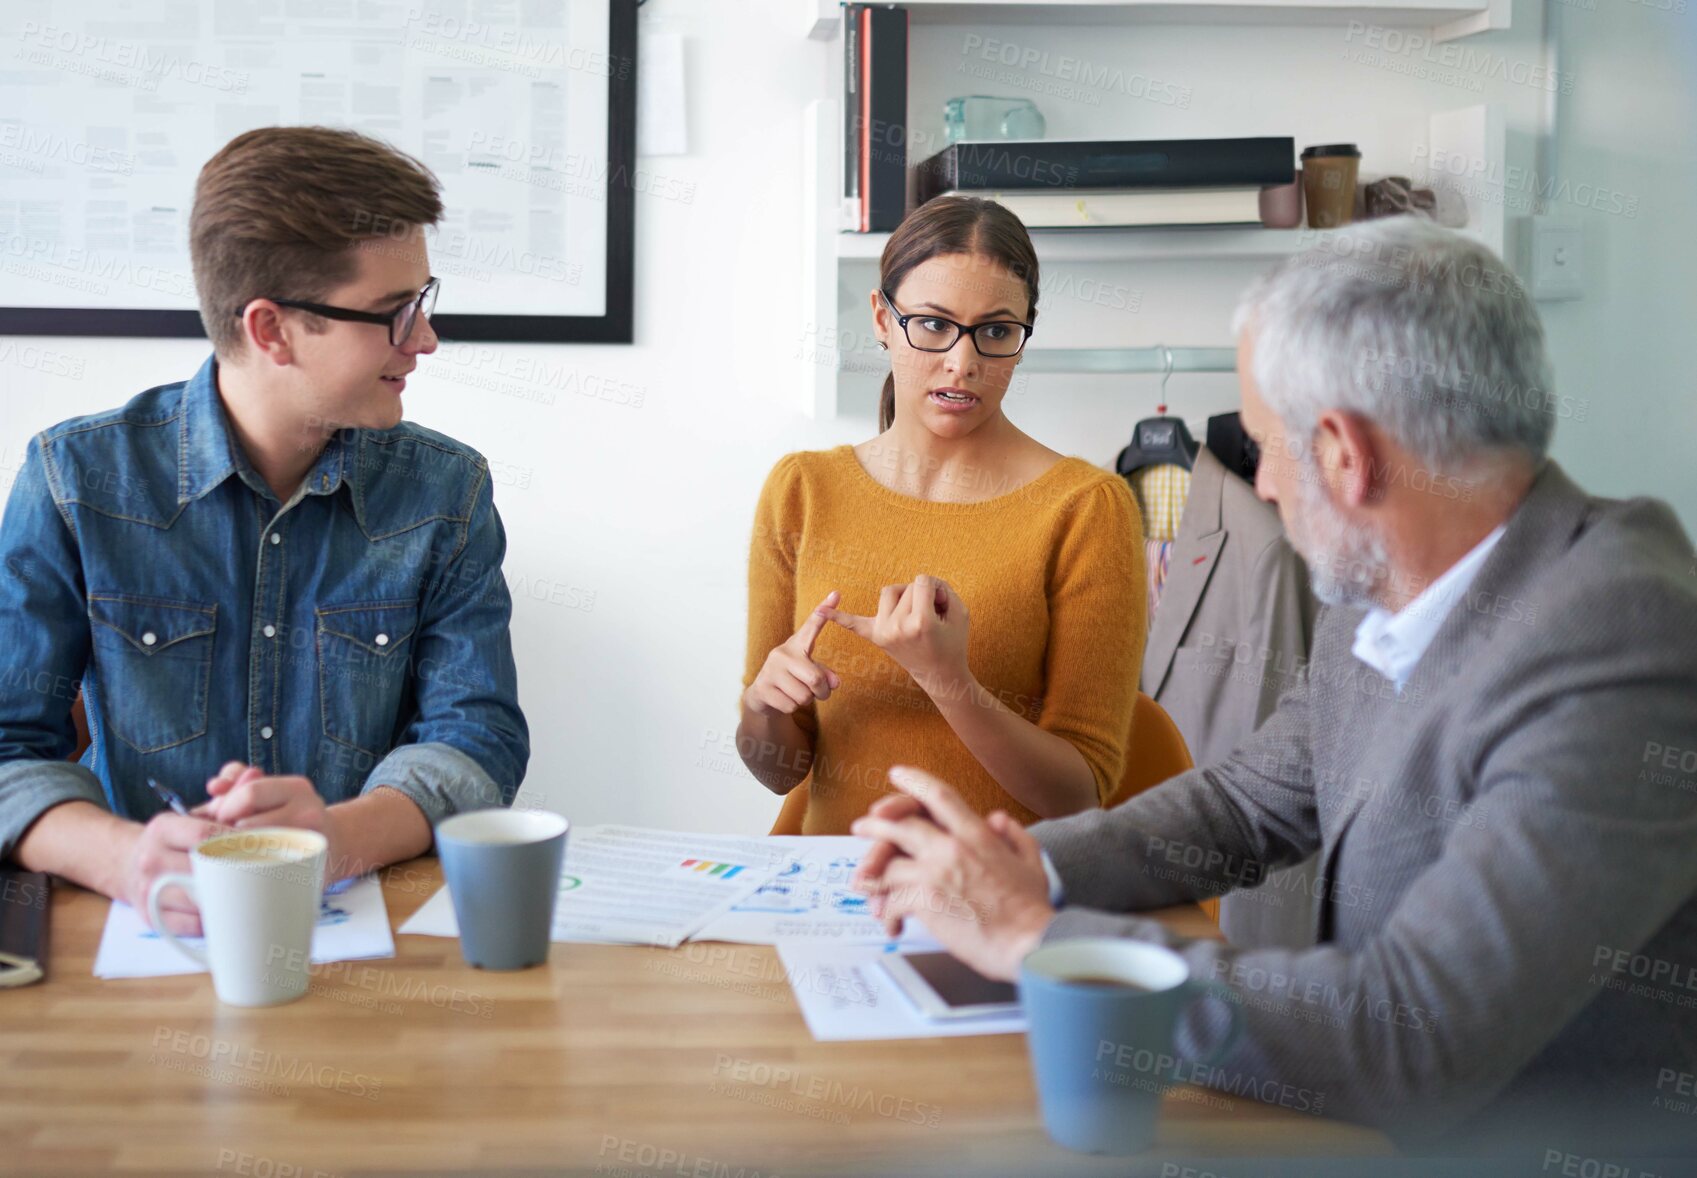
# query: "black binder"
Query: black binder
24,897
1131,164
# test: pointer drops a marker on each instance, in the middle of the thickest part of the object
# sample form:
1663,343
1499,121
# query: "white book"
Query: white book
1082,208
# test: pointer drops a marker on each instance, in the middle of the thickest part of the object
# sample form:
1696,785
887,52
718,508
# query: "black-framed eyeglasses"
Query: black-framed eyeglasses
400,321
996,340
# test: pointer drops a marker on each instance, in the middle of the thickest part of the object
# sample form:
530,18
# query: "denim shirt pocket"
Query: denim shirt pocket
153,656
364,660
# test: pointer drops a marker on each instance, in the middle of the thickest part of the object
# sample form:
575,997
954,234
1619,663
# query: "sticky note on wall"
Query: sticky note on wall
661,126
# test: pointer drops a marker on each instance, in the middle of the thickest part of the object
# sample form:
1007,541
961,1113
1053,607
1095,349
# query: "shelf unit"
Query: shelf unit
1474,134
1446,20
1129,245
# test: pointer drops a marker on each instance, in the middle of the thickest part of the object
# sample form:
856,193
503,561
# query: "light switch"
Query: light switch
1558,260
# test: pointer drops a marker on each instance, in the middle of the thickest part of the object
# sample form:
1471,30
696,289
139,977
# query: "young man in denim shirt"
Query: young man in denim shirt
275,596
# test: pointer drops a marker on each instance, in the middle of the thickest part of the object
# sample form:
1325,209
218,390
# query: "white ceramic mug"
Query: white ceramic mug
259,893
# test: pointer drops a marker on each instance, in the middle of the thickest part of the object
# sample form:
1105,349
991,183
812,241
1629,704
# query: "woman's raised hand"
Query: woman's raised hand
923,626
790,679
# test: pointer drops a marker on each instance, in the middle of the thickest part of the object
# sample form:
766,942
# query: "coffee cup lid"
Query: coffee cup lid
1331,149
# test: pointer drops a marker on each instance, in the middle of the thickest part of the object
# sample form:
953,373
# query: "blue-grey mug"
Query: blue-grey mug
503,873
1102,1012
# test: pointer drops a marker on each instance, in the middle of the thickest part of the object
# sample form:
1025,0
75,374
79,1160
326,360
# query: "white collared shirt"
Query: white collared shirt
1392,643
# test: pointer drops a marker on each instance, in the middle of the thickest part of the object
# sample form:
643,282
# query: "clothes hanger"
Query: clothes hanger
1159,440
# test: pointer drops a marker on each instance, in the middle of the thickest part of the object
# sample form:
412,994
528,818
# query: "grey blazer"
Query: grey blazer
1230,635
1508,855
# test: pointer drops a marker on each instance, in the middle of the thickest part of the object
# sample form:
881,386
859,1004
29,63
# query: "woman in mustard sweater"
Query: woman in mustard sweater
951,594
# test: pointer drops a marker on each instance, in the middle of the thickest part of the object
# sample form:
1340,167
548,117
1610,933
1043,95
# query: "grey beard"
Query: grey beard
1346,561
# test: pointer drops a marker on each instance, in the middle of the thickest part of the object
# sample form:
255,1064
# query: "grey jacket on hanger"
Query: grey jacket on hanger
1230,635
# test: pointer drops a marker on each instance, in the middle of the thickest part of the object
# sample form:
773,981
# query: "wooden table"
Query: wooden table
613,1060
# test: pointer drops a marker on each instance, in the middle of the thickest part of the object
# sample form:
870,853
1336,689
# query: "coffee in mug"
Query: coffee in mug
259,893
1110,983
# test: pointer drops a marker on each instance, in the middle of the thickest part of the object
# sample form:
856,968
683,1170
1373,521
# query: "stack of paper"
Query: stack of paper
845,994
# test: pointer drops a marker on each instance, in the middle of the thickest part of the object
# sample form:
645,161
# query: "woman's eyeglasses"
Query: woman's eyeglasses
996,340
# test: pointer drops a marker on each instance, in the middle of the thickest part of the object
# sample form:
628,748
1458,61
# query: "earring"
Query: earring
884,346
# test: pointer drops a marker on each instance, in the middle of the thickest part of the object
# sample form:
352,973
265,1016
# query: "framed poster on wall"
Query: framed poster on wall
525,112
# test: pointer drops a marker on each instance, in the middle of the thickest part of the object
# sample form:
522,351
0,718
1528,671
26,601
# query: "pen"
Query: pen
169,797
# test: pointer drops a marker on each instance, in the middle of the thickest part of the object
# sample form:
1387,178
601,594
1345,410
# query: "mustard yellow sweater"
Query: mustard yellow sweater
1052,576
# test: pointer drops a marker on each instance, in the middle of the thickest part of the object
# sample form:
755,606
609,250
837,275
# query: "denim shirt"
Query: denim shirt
357,635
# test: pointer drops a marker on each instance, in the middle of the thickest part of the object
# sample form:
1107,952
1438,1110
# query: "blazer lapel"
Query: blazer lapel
1506,589
1194,554
1538,532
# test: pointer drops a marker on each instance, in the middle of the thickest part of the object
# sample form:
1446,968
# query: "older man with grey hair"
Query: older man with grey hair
1507,951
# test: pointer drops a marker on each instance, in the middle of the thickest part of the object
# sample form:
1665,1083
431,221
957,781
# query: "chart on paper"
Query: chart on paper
809,899
626,884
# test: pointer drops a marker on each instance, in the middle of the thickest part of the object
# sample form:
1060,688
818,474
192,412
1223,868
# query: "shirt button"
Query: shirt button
265,732
276,538
269,631
149,638
382,640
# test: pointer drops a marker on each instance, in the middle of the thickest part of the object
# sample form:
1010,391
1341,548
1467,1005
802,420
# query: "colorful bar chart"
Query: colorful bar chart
722,870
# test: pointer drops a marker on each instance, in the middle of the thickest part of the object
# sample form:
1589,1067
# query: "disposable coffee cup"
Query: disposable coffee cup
503,873
258,892
1329,173
1102,1013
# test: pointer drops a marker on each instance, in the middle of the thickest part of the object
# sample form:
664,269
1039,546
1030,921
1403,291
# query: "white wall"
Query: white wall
1628,345
648,508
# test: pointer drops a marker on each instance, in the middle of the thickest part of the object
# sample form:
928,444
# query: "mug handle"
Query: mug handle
1229,999
186,882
